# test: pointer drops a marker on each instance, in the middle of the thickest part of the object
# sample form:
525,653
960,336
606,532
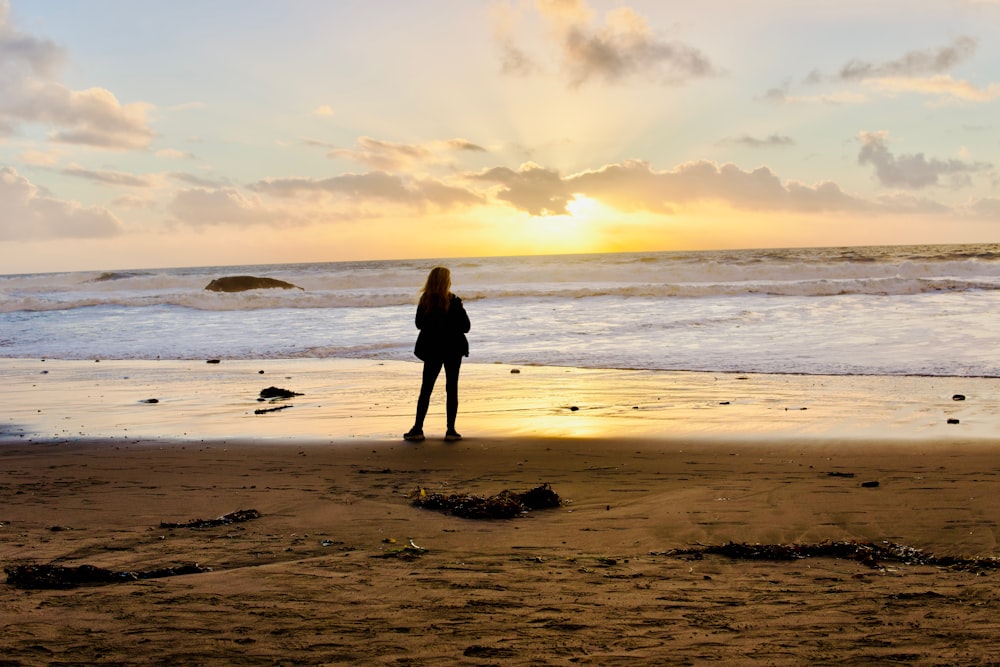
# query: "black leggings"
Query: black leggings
432,369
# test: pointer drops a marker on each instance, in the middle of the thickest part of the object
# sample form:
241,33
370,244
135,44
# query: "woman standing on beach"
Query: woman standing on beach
443,323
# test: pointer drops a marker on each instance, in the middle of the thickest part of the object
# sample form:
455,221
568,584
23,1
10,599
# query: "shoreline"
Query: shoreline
346,399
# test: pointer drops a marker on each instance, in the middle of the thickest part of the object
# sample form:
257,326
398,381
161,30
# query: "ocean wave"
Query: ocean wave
824,272
280,299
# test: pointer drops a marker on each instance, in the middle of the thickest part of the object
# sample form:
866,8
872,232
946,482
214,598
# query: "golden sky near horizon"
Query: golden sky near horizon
237,132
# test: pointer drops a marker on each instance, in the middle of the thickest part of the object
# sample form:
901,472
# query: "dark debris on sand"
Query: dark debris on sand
264,411
867,553
276,392
239,516
504,505
59,577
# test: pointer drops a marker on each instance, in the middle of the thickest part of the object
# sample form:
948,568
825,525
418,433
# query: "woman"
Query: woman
443,323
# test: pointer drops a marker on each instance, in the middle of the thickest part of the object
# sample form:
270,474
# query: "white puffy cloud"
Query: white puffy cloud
31,214
911,171
622,47
31,94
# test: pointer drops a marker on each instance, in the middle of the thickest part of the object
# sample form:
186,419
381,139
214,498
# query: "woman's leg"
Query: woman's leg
451,369
431,371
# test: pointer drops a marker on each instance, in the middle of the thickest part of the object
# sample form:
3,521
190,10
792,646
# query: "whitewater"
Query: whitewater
895,310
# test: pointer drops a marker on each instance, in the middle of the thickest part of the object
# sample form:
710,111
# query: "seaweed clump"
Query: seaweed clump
239,516
869,554
503,505
61,577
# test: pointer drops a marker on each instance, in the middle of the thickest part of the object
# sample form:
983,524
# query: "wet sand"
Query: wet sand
323,576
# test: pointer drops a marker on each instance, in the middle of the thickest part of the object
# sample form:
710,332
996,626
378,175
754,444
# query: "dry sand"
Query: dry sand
322,578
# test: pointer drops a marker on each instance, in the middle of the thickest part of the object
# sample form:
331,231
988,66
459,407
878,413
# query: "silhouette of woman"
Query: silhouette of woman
443,323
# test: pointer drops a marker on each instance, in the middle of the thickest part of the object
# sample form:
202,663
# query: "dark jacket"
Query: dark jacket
442,333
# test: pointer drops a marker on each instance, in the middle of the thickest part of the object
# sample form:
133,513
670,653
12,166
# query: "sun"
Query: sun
583,208
574,231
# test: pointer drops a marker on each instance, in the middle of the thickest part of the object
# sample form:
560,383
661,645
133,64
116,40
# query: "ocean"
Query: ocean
897,310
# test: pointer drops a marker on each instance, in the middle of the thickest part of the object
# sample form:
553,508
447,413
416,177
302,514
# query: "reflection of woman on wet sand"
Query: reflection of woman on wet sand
443,323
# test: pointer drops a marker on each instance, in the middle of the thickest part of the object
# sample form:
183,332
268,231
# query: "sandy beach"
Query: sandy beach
649,467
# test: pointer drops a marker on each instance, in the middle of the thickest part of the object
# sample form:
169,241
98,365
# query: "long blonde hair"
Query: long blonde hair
436,295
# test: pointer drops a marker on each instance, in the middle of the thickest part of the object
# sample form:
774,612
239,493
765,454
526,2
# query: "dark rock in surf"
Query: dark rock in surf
958,397
244,283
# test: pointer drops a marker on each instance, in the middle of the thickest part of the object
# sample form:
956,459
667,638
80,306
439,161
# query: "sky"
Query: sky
190,133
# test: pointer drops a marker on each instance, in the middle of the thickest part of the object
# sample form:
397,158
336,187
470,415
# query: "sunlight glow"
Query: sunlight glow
583,208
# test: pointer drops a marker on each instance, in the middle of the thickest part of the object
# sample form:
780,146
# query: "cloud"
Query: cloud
372,186
531,188
314,199
133,202
634,185
39,57
913,63
905,203
911,171
781,95
944,86
513,60
107,177
202,207
38,158
29,214
464,145
919,71
30,94
192,179
987,207
772,141
174,154
623,47
323,111
392,156
188,106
